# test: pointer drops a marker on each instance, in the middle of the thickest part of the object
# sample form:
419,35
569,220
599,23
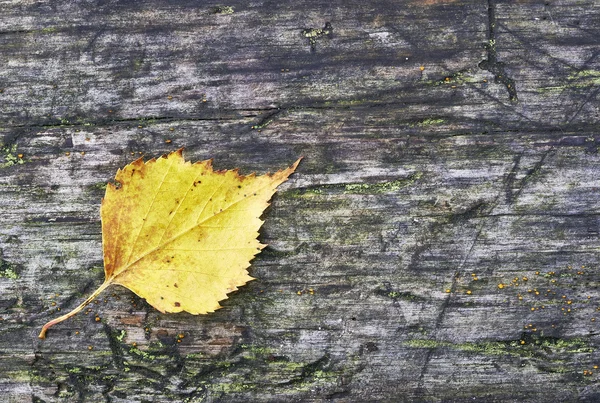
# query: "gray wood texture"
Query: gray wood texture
439,242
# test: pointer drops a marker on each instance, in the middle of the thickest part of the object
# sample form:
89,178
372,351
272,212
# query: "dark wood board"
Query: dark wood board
438,243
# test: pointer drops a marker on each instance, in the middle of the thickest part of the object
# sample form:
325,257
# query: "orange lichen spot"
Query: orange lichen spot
168,141
97,318
20,155
181,335
134,344
77,332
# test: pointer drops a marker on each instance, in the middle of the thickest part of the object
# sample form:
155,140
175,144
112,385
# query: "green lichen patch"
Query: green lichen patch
577,80
9,156
312,34
8,270
527,346
382,187
222,10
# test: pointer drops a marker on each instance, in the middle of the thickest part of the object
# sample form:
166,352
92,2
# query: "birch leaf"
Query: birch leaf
181,235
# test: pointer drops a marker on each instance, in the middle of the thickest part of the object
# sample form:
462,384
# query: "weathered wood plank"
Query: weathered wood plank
439,241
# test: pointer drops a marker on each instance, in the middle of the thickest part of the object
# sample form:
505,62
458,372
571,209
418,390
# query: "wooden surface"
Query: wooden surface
439,242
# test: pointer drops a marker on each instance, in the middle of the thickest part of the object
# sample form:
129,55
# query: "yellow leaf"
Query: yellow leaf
179,234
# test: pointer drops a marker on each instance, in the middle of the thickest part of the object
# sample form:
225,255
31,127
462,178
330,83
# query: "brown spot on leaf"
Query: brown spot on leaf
177,304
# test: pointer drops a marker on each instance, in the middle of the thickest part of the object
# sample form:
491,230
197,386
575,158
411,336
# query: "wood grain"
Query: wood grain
439,241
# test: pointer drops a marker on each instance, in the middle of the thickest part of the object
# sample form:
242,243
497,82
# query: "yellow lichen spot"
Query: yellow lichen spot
20,155
522,341
171,129
299,292
525,279
447,290
90,348
421,68
67,153
537,273
469,292
168,141
169,97
569,302
500,286
533,309
77,332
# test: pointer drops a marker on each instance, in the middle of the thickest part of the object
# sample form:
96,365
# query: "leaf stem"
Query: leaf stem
85,303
